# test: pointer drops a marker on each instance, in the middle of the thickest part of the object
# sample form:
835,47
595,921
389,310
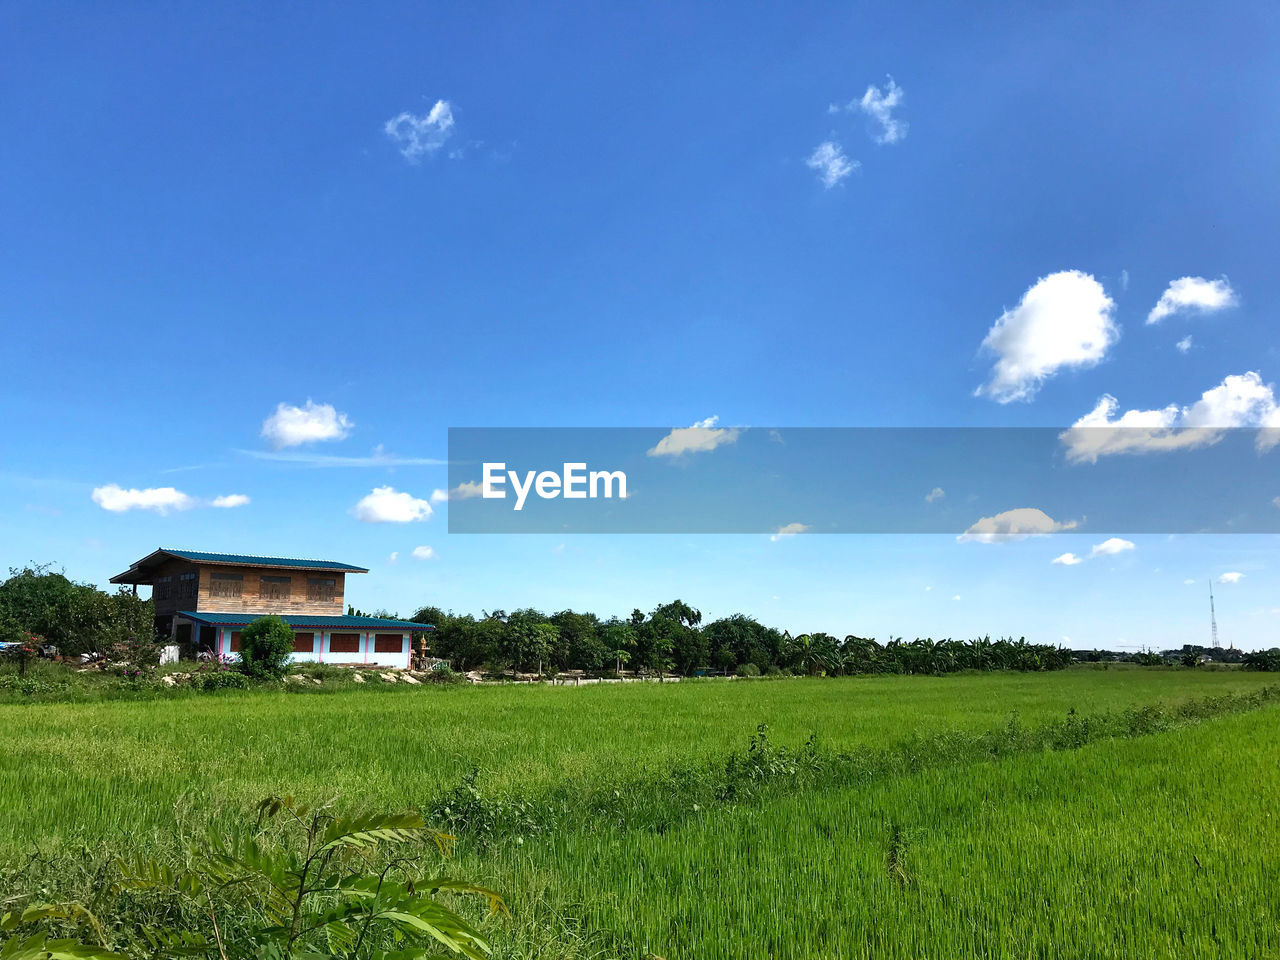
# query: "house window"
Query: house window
163,588
344,643
321,588
304,643
235,641
388,643
226,584
274,588
188,586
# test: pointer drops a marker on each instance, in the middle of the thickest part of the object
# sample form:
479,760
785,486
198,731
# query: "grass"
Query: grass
1011,857
96,771
1162,846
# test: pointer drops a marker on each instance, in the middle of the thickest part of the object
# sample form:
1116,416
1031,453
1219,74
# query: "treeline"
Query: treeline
673,639
74,617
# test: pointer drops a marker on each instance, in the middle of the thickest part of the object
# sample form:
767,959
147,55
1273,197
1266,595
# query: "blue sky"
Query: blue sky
619,218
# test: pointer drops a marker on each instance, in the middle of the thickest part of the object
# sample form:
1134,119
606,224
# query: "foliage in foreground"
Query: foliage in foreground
321,885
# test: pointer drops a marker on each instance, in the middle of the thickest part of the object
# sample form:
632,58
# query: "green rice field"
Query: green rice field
616,826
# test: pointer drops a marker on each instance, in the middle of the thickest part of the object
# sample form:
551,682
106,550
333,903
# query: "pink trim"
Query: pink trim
320,652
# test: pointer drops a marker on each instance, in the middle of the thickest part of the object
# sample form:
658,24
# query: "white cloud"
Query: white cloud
1106,548
1184,345
292,426
1188,582
1241,400
1017,524
463,491
159,500
1275,501
830,163
418,136
1233,576
387,505
956,597
1193,294
879,103
1064,320
702,437
789,530
423,553
934,495
1111,547
395,555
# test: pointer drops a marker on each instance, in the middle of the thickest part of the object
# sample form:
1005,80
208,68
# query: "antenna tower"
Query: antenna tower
1213,619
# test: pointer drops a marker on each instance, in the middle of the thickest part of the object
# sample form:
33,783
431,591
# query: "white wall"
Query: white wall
322,654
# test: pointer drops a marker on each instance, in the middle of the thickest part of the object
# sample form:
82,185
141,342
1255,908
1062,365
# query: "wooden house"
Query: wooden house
202,600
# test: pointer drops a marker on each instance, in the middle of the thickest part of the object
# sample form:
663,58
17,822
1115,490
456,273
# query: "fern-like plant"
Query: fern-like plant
15,944
332,892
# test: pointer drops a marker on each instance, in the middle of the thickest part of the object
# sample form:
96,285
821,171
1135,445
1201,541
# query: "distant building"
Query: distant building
203,599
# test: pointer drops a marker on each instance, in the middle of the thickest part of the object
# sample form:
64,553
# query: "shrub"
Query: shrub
28,686
325,672
443,673
219,680
265,648
748,670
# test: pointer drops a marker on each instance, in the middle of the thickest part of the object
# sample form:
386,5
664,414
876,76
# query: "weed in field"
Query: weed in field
318,886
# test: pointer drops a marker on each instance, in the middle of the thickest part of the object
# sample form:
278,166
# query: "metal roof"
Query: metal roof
302,620
252,561
135,572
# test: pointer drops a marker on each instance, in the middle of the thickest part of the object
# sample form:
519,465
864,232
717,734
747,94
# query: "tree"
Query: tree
265,648
745,640
528,639
432,615
811,653
1268,660
677,641
578,644
619,639
74,617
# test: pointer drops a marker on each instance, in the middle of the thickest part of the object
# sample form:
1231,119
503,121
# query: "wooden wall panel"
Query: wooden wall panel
344,643
388,642
252,601
175,593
